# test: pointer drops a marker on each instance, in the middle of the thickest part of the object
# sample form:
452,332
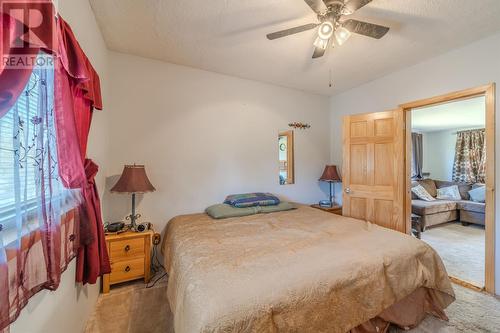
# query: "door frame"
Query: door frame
489,92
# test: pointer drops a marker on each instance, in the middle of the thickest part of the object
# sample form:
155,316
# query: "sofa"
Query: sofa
441,211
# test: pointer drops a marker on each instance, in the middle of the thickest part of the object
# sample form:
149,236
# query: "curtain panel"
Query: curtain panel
62,217
470,157
417,156
75,74
13,80
37,217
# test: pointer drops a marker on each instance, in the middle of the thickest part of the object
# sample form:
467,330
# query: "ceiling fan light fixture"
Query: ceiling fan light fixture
342,35
321,43
325,30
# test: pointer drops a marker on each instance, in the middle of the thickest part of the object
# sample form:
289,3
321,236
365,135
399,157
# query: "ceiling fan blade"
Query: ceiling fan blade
318,52
353,5
316,5
365,28
291,31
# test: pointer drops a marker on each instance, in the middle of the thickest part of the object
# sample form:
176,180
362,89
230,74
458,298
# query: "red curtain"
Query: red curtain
15,41
78,92
36,260
12,81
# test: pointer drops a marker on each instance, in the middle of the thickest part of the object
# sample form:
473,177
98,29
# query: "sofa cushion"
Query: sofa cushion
478,194
413,195
429,186
439,218
421,207
449,193
472,206
421,193
462,188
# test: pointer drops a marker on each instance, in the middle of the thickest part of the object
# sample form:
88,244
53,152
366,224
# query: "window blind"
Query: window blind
28,154
23,111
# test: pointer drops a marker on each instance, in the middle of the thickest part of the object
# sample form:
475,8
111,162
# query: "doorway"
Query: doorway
450,158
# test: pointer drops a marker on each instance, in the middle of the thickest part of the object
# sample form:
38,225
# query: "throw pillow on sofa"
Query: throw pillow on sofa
421,193
449,193
463,188
478,194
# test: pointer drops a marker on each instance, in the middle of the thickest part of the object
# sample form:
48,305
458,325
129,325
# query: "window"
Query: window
29,179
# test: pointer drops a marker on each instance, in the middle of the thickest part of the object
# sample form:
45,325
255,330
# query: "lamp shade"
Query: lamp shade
330,174
133,180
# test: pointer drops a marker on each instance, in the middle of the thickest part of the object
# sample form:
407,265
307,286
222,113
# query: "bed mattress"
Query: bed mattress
298,271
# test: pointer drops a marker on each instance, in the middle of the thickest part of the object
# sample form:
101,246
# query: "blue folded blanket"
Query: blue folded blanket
251,199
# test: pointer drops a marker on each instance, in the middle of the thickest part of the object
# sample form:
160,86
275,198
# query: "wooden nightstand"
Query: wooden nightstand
334,210
130,257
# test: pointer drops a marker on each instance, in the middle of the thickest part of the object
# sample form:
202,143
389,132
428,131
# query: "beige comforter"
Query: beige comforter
297,271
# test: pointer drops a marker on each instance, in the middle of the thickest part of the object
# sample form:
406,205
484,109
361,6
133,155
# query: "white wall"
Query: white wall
203,136
439,153
67,308
470,66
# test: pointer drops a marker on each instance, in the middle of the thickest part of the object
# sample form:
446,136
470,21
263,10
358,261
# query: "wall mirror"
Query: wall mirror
285,148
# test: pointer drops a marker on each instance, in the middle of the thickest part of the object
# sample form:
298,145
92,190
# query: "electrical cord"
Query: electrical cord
156,267
151,285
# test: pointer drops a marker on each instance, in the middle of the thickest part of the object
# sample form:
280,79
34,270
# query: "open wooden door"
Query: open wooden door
374,169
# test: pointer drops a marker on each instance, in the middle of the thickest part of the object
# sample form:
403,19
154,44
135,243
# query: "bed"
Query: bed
302,270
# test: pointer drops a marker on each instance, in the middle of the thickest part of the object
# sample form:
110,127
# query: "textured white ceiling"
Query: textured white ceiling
228,36
463,114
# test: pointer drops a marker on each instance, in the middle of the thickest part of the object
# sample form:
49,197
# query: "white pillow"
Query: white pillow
449,193
478,194
421,193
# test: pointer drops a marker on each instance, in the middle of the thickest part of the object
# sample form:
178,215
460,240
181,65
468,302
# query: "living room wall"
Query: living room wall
470,66
439,153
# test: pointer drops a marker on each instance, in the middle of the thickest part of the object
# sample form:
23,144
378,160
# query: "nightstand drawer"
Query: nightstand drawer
130,257
127,248
126,270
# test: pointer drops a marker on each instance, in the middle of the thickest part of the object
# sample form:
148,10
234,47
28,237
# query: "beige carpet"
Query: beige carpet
134,309
461,248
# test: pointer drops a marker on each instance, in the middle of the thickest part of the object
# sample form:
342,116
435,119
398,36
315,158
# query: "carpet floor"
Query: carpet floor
132,308
461,248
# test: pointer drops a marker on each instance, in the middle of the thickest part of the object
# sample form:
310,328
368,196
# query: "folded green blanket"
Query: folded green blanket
251,199
222,211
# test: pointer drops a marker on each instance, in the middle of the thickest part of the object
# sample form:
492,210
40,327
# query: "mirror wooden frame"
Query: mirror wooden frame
290,162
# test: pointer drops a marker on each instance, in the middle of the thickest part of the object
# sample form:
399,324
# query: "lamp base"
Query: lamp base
326,203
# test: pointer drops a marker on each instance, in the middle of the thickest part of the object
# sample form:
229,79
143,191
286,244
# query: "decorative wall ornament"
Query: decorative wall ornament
299,125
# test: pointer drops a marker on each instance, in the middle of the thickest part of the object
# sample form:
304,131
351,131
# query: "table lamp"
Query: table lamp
133,180
330,175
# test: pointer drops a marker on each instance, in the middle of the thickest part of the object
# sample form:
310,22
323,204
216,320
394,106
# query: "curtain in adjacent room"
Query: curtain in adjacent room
417,156
470,157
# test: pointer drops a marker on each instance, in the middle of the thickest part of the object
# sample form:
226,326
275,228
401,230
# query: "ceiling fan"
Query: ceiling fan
330,14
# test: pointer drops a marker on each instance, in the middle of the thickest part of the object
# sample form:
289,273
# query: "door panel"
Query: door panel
382,166
384,127
358,210
359,129
383,210
374,168
358,162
